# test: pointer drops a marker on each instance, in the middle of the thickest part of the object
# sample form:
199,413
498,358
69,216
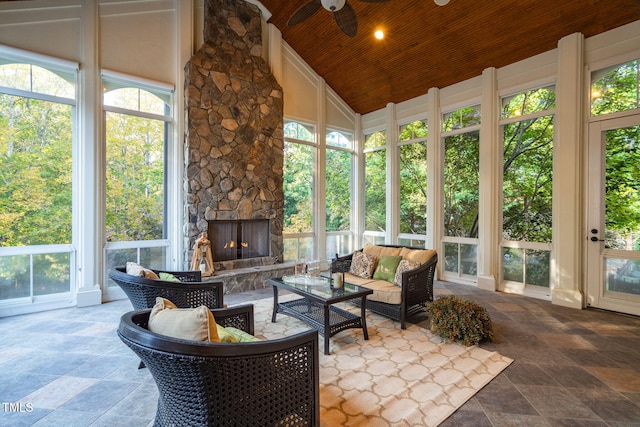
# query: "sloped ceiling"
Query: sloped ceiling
435,46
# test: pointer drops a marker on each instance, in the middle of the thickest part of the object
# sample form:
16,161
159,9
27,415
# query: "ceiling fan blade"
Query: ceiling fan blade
347,20
305,11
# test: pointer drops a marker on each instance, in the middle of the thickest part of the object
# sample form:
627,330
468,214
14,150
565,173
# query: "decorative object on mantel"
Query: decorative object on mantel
459,320
201,259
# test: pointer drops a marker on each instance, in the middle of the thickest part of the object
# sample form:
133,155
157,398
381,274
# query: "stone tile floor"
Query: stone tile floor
572,367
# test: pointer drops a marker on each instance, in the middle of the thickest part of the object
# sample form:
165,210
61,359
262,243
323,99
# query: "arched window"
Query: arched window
137,124
299,160
37,113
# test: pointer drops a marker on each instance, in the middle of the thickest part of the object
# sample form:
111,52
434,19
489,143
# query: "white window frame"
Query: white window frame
166,93
33,303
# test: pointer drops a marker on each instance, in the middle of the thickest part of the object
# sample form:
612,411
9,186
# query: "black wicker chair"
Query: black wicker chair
417,288
189,293
264,383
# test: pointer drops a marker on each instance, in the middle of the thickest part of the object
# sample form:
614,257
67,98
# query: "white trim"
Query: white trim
531,85
36,249
39,59
139,82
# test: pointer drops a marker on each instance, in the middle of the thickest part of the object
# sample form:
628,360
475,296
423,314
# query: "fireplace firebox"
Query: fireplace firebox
239,239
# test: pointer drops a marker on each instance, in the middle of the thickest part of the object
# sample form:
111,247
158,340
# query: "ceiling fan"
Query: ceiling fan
343,13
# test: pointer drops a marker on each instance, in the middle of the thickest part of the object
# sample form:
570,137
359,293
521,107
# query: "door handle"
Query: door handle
595,239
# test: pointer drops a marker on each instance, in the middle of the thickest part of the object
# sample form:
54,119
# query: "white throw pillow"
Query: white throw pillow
135,269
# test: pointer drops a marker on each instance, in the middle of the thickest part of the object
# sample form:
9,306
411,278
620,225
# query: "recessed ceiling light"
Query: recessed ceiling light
441,2
379,34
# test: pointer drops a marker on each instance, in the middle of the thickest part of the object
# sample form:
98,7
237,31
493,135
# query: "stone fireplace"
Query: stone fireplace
234,148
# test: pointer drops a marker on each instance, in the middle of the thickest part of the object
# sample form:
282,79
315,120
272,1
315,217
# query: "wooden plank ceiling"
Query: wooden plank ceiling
435,46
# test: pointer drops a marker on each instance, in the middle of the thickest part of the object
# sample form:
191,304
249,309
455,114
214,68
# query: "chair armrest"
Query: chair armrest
417,284
341,264
240,317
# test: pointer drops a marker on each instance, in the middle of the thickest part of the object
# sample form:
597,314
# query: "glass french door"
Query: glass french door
613,218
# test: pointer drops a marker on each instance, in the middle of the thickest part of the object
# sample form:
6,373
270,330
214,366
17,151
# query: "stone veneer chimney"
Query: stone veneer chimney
234,148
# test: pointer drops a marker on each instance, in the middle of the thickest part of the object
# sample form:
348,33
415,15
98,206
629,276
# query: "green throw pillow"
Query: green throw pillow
240,335
386,269
168,277
225,335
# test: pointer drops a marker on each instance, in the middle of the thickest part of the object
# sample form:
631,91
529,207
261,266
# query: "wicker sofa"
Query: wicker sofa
267,383
416,288
190,292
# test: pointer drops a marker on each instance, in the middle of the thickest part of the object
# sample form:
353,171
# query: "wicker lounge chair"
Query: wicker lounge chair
417,288
189,293
264,383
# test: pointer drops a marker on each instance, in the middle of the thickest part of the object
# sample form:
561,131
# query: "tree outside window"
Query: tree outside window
136,130
461,138
413,182
375,171
616,88
338,191
527,186
299,152
36,137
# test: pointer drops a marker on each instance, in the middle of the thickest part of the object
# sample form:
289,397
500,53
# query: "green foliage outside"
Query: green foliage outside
528,168
36,173
616,89
613,90
338,190
461,184
413,179
622,186
135,178
36,193
375,187
375,182
298,187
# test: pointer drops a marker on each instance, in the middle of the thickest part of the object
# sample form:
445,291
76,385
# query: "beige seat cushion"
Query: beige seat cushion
383,291
418,255
355,280
380,251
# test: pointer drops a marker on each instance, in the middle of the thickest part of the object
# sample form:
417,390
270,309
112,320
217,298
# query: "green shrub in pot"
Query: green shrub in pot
459,320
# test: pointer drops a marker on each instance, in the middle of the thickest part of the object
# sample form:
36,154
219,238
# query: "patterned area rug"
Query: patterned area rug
396,378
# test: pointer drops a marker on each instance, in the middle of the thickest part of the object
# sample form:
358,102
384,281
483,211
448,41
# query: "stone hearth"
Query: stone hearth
234,148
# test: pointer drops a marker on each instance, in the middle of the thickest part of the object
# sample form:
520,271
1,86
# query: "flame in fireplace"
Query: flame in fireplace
232,244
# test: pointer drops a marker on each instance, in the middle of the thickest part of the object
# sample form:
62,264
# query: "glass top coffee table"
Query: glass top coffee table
316,307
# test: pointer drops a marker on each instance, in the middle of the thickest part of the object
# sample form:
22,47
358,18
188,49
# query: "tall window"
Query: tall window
527,130
461,138
616,88
339,187
375,172
412,148
137,123
299,152
37,107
